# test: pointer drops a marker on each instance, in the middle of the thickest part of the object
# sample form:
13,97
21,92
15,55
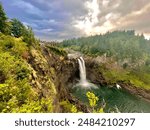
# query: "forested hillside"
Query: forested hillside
119,44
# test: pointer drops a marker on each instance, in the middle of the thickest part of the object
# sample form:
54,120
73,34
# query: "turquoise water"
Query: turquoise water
113,97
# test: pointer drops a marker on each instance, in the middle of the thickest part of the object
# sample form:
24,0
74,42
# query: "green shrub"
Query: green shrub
36,106
13,45
68,107
93,102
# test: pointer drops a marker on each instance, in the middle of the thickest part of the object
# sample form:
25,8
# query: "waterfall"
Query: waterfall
83,81
82,70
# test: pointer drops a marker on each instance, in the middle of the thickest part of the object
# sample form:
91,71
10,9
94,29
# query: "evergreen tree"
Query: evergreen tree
17,28
3,20
28,36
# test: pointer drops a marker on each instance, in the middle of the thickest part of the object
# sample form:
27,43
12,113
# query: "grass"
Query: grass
58,51
137,78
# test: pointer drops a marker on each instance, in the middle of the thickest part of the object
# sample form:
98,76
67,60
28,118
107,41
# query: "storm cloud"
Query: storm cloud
63,19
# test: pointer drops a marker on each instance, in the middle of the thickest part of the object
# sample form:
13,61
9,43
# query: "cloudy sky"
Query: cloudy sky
63,19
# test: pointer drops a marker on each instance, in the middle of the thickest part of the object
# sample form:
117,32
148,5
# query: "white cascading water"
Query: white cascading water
83,81
82,70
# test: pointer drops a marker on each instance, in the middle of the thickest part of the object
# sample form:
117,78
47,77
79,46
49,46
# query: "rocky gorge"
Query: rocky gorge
67,71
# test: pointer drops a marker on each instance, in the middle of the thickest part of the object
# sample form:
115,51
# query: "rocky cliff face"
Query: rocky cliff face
65,75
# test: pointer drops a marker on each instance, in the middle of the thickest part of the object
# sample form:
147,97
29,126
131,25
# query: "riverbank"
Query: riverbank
140,92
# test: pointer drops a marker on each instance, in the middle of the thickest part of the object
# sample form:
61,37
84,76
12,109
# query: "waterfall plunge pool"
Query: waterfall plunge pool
123,100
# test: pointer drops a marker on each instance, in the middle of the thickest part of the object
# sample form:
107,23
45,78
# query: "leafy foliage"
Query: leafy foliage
93,100
20,30
16,86
68,107
28,36
43,105
16,91
17,28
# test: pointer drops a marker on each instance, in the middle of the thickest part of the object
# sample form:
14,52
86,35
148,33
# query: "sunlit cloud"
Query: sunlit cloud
105,16
105,3
147,36
91,24
91,19
130,18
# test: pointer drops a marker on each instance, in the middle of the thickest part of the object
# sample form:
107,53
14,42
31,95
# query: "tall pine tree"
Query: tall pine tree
3,20
17,28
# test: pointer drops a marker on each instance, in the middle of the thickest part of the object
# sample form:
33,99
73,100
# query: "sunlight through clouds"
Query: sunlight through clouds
90,25
107,15
91,19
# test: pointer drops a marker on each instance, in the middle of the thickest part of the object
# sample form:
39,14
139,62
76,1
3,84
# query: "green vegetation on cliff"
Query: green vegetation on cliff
22,81
20,86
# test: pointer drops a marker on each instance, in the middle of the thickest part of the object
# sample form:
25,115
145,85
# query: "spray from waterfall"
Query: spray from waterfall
83,83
